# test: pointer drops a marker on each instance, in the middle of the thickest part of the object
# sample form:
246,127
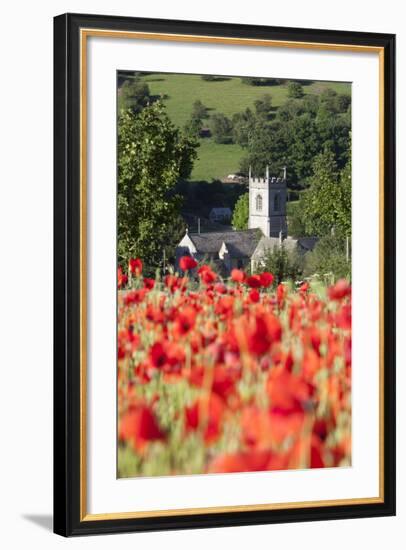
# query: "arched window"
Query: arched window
258,203
277,202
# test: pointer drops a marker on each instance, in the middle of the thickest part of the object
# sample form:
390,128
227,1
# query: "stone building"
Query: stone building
267,204
267,229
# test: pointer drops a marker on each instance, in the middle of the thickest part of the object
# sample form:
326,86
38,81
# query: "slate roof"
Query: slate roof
269,243
307,243
240,244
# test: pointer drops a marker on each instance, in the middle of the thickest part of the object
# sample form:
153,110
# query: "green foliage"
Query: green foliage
328,259
327,203
241,213
283,263
243,123
194,127
221,128
199,110
263,106
295,90
333,102
296,225
134,94
152,156
257,81
300,129
230,96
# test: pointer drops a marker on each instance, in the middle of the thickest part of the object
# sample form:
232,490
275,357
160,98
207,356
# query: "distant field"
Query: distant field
216,160
228,96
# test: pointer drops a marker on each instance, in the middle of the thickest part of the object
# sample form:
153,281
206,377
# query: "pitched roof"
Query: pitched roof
267,244
308,243
240,244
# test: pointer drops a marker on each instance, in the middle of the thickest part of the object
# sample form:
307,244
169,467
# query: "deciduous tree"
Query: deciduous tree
152,155
241,213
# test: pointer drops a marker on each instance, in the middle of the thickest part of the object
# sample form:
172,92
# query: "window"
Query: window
258,202
277,202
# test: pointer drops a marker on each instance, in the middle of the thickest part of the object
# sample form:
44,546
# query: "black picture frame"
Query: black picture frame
67,358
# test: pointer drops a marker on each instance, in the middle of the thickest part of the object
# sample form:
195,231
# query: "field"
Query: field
227,96
228,376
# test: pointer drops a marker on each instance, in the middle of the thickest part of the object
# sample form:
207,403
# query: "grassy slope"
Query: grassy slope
227,96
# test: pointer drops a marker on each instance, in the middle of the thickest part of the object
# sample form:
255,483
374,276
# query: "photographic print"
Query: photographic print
214,186
234,274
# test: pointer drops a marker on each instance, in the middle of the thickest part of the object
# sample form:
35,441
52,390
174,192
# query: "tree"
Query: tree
241,212
328,100
296,226
243,124
199,110
258,81
194,126
263,106
328,259
282,263
152,156
221,128
327,203
343,102
295,90
134,94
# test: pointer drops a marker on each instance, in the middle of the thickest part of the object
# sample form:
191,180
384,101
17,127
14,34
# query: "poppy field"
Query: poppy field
235,375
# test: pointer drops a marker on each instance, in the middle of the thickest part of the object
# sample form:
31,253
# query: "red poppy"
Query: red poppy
281,292
206,413
251,461
172,282
224,381
149,283
304,287
135,296
238,276
256,428
340,290
254,296
263,333
122,278
254,281
266,279
207,275
220,288
185,320
288,392
187,262
268,372
225,305
135,266
158,355
139,426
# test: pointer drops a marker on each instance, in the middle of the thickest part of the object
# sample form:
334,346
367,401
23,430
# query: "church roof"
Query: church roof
267,244
240,244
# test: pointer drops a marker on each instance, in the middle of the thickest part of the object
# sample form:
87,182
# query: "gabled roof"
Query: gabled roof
240,244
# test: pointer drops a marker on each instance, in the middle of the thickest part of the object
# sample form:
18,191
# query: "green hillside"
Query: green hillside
227,96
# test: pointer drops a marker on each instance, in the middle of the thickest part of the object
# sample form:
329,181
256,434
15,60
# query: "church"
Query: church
267,229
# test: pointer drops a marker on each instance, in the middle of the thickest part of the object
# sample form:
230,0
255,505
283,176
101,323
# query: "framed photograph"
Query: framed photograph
224,342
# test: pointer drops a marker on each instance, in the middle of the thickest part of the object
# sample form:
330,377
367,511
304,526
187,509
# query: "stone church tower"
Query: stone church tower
267,204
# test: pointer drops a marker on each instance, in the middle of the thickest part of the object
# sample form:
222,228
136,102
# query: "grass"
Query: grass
229,96
215,160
